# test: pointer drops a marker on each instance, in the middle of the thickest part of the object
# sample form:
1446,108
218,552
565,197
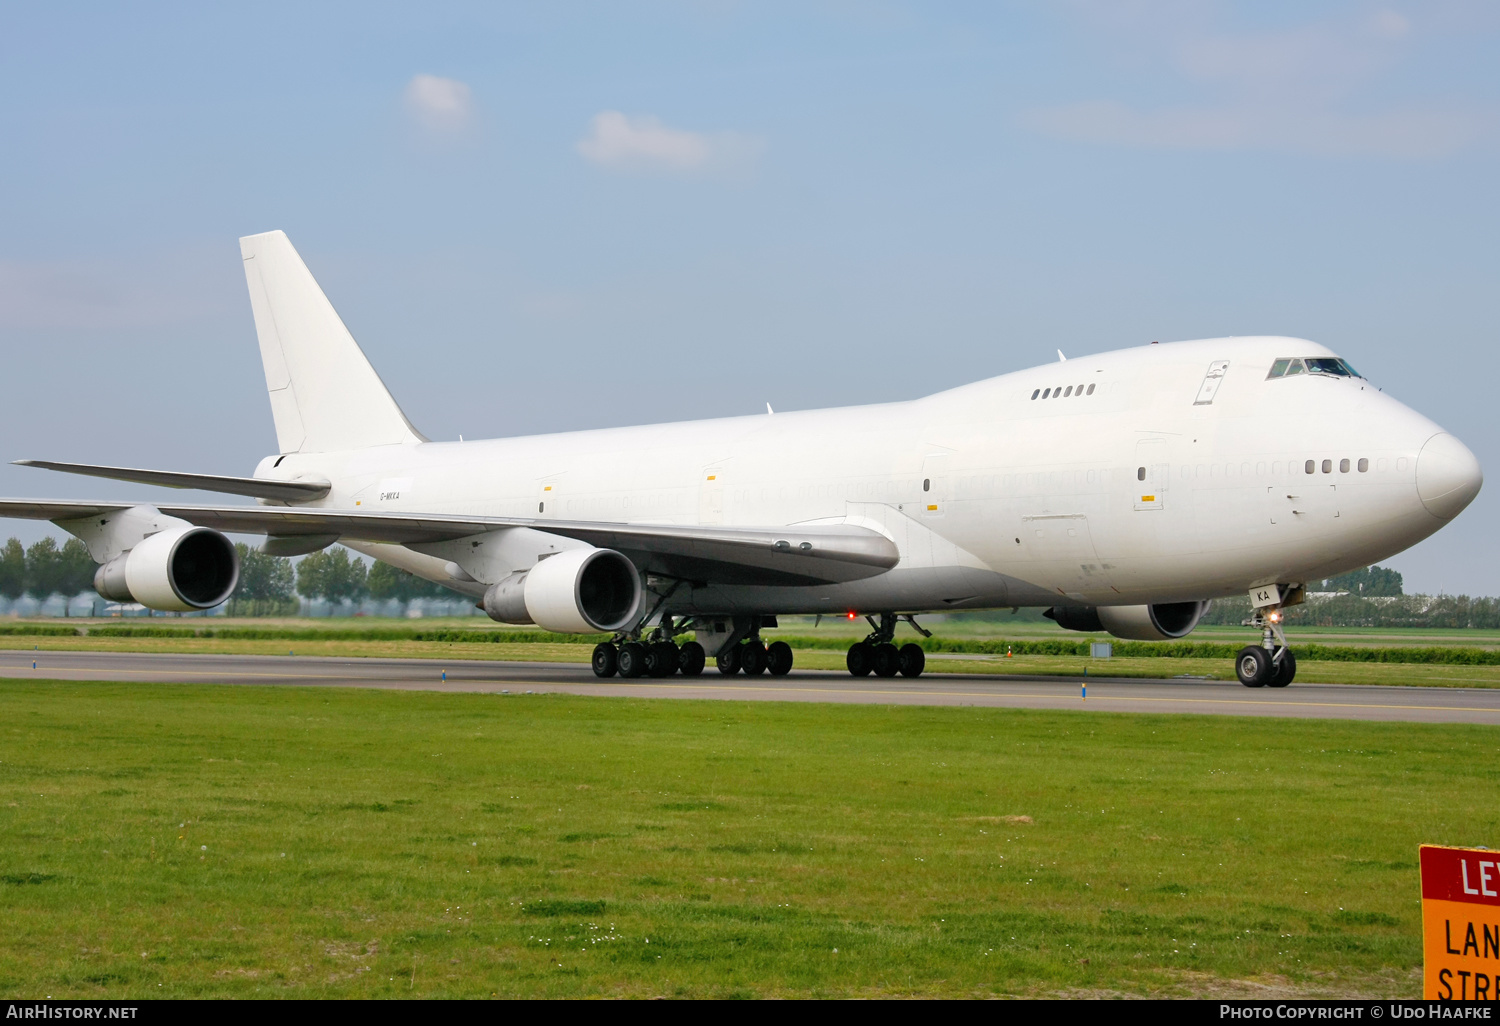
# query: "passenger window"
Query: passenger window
1364,465
1328,466
1091,390
1057,393
1140,473
1278,369
926,484
1046,393
1069,391
1035,392
1311,466
1343,466
1080,390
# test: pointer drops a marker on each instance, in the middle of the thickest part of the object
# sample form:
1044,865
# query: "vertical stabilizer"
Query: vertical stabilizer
325,396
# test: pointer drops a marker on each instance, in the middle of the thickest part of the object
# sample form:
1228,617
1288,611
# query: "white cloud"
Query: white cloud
444,104
643,143
1294,90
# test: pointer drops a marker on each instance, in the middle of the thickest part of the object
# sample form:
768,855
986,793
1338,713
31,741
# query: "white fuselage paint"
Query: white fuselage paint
993,498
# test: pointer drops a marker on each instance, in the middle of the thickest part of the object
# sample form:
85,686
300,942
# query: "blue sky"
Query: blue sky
543,217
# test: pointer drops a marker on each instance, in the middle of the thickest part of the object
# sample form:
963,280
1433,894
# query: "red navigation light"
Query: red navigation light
852,614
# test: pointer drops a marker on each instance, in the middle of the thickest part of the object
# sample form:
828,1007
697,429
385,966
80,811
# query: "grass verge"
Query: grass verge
235,842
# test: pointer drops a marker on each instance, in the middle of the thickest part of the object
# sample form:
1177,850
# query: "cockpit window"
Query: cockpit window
1331,365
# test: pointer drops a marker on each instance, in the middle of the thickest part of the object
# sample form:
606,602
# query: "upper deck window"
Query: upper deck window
1330,365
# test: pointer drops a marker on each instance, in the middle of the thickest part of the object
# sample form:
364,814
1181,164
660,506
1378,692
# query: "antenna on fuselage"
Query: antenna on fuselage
1060,357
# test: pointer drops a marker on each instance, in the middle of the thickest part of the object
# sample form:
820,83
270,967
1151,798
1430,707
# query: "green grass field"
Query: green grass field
162,840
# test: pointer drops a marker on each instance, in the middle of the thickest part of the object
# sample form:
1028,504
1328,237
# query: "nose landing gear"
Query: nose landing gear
1270,664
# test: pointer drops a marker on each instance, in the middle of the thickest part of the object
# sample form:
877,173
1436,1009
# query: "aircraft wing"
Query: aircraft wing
826,553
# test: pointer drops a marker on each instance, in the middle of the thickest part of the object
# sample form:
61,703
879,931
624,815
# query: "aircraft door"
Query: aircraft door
935,484
1152,472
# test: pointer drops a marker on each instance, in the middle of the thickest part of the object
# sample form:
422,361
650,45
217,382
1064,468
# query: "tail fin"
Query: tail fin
325,396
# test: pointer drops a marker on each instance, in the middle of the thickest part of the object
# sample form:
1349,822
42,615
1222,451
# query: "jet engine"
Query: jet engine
575,591
180,569
1165,621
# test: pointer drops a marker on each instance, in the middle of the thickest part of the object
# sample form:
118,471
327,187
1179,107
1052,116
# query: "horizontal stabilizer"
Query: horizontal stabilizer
260,488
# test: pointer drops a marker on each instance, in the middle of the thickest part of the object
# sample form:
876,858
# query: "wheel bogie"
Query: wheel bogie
861,658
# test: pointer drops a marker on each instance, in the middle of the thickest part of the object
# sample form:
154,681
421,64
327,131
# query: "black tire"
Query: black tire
779,658
753,658
691,660
606,660
729,661
887,660
661,659
1253,666
913,660
861,659
632,660
1284,670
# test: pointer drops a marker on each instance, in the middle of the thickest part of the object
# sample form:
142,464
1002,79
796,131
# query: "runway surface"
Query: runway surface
1327,701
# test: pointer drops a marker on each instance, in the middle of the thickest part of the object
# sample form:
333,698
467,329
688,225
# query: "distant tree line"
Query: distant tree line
44,569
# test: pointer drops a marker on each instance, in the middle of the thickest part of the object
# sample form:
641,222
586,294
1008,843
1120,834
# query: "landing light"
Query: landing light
1274,617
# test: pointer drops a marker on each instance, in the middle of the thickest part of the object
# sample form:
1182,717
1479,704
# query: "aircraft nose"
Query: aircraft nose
1448,476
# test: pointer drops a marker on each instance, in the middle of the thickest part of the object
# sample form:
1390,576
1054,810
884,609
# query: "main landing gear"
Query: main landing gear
657,655
754,657
1271,663
878,655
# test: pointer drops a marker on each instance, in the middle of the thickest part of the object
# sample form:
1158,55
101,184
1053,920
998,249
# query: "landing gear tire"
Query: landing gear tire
1284,669
887,660
861,659
753,658
729,661
1253,666
779,658
632,660
691,659
912,660
606,660
661,659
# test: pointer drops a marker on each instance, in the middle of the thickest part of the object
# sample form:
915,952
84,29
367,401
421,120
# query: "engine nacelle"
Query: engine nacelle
577,591
180,569
1165,621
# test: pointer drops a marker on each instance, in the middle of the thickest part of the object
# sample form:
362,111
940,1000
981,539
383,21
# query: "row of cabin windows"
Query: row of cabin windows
1058,393
1310,467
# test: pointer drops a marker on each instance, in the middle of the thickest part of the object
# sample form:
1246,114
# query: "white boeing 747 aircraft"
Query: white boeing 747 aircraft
1124,491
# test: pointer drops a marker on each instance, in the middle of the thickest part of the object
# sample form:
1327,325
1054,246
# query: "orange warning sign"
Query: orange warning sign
1460,924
